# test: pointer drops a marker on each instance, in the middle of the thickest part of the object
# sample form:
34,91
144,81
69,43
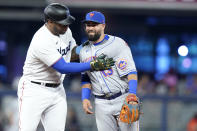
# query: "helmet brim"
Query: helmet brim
69,20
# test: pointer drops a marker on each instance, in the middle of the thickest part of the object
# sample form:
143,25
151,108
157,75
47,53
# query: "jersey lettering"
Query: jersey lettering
63,52
107,73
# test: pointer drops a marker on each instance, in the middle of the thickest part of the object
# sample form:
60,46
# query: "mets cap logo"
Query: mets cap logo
122,64
91,14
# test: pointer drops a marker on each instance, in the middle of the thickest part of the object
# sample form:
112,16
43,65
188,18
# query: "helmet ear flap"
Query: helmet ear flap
46,18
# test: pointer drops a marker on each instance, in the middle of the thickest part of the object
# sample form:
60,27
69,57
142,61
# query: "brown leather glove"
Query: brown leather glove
130,111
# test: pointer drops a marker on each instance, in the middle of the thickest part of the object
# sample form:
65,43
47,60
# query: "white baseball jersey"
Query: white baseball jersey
46,49
37,101
109,81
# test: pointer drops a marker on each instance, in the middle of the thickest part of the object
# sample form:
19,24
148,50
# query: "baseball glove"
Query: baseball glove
101,63
130,111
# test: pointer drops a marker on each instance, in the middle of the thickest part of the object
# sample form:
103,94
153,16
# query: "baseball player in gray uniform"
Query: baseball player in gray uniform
41,94
110,87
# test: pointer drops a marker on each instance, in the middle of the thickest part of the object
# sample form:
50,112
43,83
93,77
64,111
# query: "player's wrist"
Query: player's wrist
132,97
92,65
84,100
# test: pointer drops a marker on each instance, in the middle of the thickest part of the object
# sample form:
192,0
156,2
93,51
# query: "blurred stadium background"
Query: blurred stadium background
162,35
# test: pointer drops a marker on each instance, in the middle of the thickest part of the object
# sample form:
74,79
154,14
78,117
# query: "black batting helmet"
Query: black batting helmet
58,13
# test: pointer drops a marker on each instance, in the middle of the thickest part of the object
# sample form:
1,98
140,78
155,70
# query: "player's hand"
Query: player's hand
87,106
101,63
132,99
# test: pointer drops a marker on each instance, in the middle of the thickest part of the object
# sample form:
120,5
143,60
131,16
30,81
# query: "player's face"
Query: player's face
59,29
56,28
94,30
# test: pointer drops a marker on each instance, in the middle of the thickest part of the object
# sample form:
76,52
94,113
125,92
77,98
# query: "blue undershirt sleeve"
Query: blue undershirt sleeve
64,68
85,93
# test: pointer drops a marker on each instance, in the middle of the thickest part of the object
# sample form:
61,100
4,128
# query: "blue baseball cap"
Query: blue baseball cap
95,16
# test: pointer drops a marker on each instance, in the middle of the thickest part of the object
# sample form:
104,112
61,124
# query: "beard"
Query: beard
94,37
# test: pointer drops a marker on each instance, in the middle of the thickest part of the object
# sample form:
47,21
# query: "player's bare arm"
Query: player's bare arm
74,55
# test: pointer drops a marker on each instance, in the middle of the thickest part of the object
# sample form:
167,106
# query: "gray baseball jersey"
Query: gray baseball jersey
110,82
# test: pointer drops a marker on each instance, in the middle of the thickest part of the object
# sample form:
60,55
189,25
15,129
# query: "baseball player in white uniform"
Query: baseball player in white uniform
41,94
110,87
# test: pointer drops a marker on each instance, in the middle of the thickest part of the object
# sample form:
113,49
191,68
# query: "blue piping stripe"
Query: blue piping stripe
133,72
105,83
105,46
101,86
127,73
105,38
95,55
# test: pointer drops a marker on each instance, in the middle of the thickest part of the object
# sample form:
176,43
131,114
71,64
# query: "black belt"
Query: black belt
46,84
112,96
